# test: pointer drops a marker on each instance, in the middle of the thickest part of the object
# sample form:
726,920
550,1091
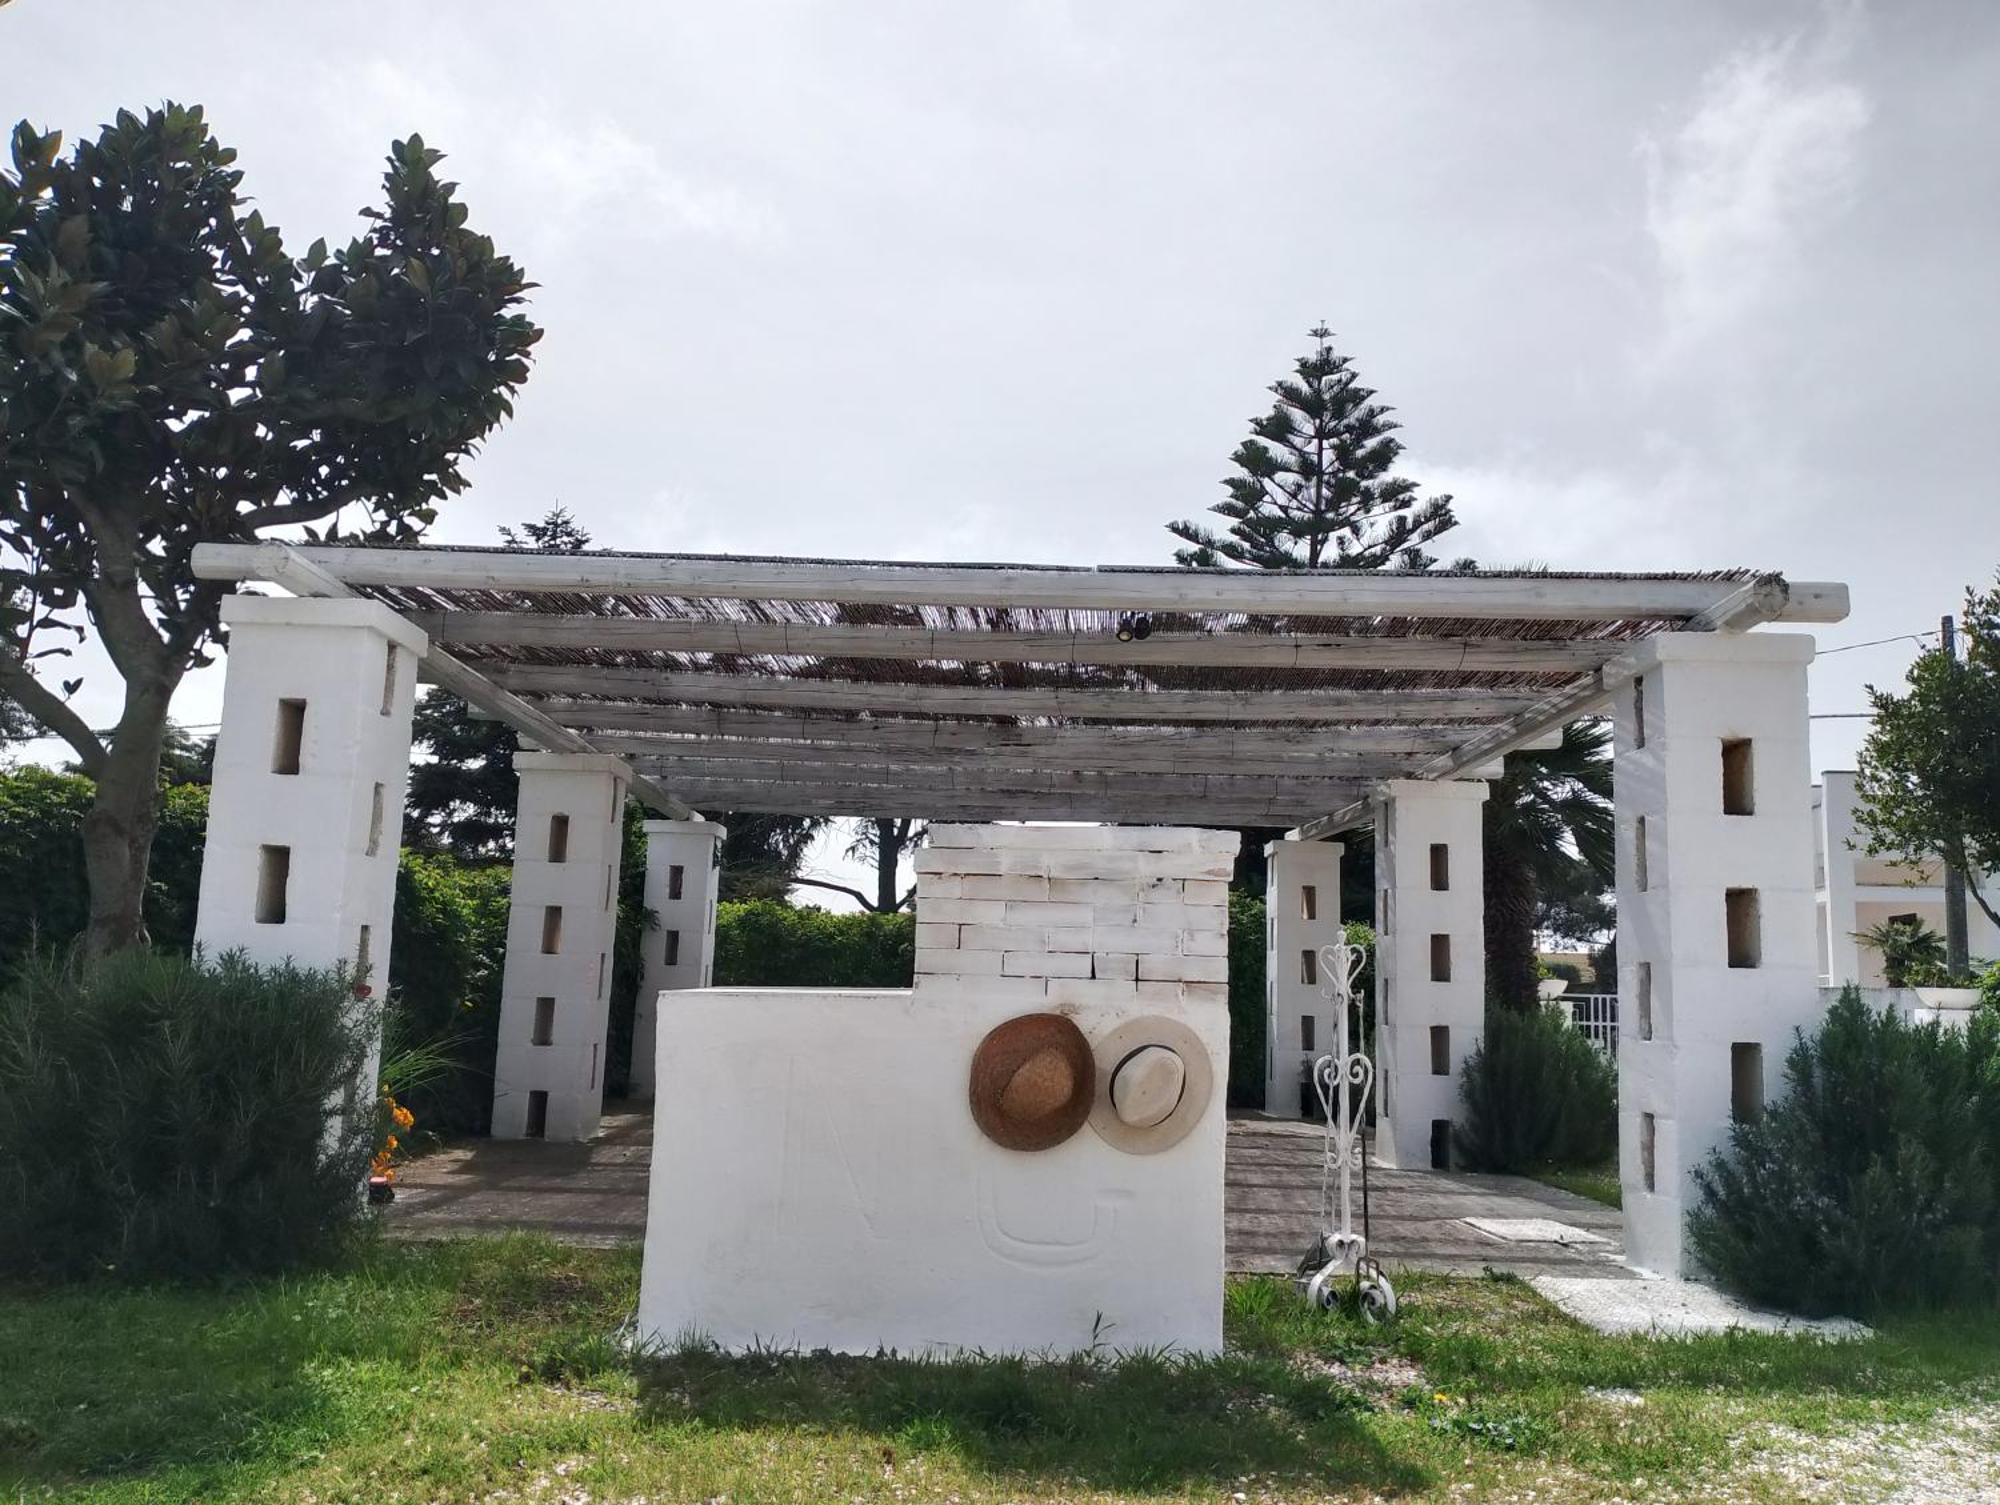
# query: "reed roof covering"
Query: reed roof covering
983,691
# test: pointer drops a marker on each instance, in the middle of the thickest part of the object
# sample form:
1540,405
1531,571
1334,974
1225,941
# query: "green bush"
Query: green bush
444,983
1536,1093
41,833
1246,1001
762,943
1874,1182
163,1117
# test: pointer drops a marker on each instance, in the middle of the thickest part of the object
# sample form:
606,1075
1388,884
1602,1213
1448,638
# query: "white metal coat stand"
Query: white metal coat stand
1344,1080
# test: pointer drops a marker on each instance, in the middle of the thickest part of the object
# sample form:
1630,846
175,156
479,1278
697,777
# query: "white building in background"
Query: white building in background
1857,892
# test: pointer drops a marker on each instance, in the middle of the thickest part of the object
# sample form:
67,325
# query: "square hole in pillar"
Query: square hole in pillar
1641,866
1308,902
1440,958
559,838
1440,867
1440,1050
1648,1137
537,1126
1742,917
1309,967
676,880
375,802
274,877
672,953
1638,710
1644,1023
1440,1144
545,1022
1739,795
1746,1082
1307,1028
601,958
389,681
289,737
364,954
551,929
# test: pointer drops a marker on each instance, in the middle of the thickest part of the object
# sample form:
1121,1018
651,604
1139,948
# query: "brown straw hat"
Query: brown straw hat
1032,1082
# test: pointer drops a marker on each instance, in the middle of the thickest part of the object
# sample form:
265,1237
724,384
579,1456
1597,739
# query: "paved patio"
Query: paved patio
596,1194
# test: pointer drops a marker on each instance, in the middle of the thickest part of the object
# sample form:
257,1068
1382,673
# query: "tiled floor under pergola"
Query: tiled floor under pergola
595,1193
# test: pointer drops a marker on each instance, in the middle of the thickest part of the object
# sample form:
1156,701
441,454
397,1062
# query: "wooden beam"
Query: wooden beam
868,800
1242,650
1526,730
894,697
299,575
1322,593
813,772
1169,759
1080,744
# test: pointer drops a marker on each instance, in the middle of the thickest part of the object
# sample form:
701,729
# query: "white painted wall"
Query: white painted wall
1678,1022
340,816
679,951
588,789
818,1179
1291,964
1856,891
1412,817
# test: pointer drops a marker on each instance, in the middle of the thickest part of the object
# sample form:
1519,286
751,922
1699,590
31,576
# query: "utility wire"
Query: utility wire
1901,637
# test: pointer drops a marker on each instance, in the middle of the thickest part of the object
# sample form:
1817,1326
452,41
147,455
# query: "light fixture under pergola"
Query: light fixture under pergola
993,692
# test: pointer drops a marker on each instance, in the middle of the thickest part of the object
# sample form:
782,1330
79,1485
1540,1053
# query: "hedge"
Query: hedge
762,943
41,845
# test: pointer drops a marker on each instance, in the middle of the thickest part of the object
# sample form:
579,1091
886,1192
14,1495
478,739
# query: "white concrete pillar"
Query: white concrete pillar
555,997
679,950
305,813
1716,944
1430,961
1301,914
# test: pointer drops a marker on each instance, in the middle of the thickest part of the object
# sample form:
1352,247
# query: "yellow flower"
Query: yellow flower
403,1118
389,1145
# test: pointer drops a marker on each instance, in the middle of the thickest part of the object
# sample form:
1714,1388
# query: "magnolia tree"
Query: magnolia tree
1928,784
174,376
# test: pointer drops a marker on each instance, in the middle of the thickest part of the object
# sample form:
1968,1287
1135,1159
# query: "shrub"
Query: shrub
1871,1184
762,943
160,1116
444,983
1246,1001
1536,1093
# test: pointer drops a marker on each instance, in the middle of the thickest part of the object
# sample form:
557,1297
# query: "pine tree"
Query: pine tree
1315,489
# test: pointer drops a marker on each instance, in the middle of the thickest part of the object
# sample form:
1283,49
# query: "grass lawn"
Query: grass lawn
1599,1183
486,1370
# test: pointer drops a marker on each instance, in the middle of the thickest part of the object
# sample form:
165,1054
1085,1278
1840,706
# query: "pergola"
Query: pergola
1144,697
1009,692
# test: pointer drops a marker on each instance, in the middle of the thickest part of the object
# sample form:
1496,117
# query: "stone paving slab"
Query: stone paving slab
1655,1307
595,1194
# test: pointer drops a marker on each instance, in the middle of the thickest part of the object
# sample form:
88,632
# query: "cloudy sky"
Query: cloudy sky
1652,286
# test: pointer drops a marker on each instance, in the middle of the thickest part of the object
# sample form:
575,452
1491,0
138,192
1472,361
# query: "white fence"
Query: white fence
1596,1016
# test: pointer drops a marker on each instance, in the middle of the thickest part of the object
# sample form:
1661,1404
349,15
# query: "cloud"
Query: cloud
1768,155
579,173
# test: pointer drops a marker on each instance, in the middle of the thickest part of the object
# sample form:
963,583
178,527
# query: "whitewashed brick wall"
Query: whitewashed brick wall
1064,915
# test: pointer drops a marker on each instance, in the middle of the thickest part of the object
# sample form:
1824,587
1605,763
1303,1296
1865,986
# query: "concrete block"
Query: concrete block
1073,938
1045,964
961,911
1117,965
960,963
936,937
1002,938
1089,992
1205,891
1093,890
1035,912
1008,886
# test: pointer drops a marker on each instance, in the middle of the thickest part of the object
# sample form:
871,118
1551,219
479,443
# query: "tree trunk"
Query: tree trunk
118,830
889,836
1512,976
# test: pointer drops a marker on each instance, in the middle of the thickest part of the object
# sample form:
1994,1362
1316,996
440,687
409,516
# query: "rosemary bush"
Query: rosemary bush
167,1117
1536,1093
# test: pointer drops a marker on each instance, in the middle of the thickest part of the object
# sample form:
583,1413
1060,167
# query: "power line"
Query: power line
1901,637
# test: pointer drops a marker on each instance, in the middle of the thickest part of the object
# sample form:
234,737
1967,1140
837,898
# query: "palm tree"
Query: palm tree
1548,833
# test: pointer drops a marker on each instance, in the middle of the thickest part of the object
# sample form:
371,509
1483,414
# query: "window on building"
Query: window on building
1440,958
1440,867
545,1022
1739,794
1741,913
290,736
551,929
274,877
1440,1050
1746,1082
